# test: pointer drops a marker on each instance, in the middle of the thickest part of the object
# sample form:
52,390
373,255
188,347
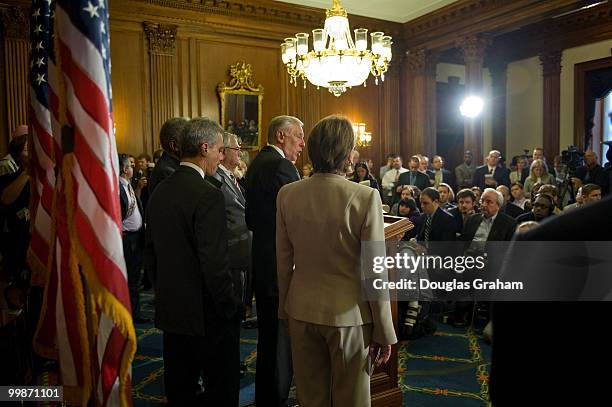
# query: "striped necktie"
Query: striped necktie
427,228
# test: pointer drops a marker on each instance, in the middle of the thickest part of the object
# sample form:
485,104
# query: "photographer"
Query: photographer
592,172
141,177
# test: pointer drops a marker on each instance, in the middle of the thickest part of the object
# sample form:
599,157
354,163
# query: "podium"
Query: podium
384,388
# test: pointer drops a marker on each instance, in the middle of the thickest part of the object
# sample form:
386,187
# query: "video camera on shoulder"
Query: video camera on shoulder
572,158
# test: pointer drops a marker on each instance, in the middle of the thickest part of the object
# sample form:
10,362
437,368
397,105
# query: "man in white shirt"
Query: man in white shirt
133,237
518,194
239,237
390,179
387,167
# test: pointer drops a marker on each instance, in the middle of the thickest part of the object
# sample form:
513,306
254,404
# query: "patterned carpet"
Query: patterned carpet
450,368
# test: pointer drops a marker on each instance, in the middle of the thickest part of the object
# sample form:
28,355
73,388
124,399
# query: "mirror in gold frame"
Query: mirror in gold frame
241,106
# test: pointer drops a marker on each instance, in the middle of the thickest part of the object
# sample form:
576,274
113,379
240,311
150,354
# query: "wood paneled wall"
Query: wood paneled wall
14,49
154,80
168,57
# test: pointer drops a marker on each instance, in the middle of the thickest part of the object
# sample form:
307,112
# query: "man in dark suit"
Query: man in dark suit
491,175
239,236
439,174
543,207
412,177
543,332
592,172
466,207
132,226
491,224
439,226
270,170
169,138
196,303
510,209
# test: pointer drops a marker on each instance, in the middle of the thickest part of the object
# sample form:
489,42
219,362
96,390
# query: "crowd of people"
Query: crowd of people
208,235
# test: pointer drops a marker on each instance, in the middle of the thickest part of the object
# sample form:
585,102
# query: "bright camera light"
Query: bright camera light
471,106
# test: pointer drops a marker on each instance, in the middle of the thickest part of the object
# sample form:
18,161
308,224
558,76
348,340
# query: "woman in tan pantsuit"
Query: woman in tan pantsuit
321,225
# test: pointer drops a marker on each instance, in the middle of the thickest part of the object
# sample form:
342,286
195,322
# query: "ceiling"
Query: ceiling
399,11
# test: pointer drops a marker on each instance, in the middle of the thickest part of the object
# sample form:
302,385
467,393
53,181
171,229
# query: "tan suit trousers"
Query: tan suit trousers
329,364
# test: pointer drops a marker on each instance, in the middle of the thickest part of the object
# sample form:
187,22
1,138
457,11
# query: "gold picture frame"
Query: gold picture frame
241,106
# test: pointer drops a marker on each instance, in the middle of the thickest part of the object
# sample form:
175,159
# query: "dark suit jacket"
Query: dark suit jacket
597,175
501,175
239,236
123,203
458,217
443,227
526,217
165,166
186,250
447,177
268,172
502,229
421,180
541,331
512,210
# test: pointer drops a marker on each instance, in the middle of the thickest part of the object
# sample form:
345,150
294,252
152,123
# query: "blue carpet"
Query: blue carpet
450,368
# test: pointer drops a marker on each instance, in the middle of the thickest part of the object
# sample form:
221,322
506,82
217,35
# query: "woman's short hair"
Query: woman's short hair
330,143
409,203
196,132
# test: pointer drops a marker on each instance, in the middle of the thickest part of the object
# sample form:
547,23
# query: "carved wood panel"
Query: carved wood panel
17,86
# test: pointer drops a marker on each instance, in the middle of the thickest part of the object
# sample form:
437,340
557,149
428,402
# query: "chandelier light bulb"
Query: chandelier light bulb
336,61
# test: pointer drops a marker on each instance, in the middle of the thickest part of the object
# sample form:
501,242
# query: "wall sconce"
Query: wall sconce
364,138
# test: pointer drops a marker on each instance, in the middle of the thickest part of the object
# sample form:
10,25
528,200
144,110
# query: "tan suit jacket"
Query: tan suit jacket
321,223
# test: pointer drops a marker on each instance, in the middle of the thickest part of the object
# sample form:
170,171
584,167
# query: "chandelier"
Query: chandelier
336,61
364,138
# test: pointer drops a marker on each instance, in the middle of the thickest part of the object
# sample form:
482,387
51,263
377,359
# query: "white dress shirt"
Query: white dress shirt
195,167
391,177
281,152
133,222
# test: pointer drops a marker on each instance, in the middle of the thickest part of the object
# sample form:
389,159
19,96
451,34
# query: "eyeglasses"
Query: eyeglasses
232,148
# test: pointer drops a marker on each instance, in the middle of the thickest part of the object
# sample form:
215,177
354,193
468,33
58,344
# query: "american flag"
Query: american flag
88,248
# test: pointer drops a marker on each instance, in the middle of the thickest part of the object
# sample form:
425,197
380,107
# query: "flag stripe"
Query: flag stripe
84,53
112,360
93,101
102,243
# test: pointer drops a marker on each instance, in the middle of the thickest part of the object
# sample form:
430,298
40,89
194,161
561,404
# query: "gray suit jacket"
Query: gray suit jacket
239,236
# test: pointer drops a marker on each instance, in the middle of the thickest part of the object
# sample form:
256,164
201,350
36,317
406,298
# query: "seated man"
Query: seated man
509,208
466,207
518,194
447,196
543,207
591,193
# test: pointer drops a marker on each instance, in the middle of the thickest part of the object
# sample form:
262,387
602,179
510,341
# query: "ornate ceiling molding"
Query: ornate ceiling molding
438,29
283,16
162,37
572,30
15,23
263,10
